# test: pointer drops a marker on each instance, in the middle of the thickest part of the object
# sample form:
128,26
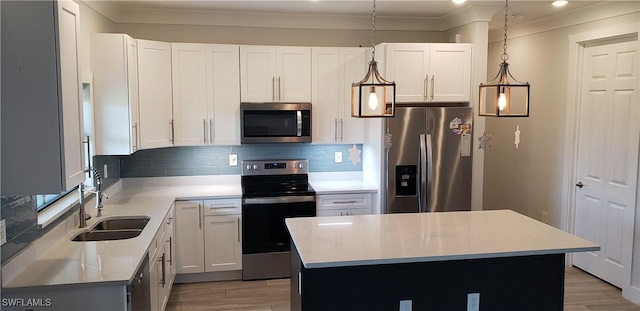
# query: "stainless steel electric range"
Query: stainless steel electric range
272,190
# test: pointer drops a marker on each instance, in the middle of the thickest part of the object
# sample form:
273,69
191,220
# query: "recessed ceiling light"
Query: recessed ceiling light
459,1
559,3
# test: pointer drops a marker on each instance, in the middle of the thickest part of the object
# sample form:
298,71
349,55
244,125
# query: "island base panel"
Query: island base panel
514,283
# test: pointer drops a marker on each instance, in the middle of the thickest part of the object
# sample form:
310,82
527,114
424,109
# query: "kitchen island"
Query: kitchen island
429,261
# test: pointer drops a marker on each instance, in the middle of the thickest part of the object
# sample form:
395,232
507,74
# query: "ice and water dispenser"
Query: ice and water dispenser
406,178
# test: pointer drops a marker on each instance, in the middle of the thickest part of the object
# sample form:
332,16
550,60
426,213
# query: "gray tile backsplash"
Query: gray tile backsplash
214,160
20,212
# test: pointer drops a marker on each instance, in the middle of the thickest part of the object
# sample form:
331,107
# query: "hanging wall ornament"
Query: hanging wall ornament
517,136
354,155
485,141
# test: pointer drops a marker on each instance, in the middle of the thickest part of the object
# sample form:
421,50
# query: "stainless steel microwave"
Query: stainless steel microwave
275,123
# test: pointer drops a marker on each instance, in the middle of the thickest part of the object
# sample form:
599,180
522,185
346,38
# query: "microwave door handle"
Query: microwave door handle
299,115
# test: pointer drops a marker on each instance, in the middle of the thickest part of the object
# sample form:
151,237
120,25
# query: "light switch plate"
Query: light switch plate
3,232
337,157
473,302
406,305
233,159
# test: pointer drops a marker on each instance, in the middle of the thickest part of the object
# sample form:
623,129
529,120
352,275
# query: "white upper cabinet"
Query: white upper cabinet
114,64
155,95
334,70
206,94
275,74
42,134
189,78
223,93
73,125
429,72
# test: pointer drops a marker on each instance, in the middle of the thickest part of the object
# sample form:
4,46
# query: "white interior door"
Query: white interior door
607,165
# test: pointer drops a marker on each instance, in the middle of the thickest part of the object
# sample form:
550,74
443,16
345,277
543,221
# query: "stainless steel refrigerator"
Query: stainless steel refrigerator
429,157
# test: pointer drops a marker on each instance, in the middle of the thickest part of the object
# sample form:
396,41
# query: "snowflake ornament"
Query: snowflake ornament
354,155
485,141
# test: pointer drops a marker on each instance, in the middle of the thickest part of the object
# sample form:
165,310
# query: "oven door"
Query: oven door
263,227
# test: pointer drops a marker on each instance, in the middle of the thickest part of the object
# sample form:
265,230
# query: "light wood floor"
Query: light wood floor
583,292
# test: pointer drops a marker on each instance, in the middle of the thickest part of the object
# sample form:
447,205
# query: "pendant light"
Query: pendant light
504,96
373,96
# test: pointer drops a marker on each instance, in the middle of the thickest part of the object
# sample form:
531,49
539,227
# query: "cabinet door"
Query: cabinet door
73,126
223,94
189,76
189,237
170,242
325,96
352,67
114,65
293,67
450,73
407,65
154,280
223,248
257,74
154,87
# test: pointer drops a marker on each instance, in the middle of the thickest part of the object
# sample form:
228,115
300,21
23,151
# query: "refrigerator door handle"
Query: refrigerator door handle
429,162
422,173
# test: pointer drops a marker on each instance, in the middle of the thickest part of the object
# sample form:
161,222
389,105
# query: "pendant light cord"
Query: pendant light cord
505,56
373,34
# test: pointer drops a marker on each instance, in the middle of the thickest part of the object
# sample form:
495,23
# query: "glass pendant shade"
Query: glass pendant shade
504,96
373,97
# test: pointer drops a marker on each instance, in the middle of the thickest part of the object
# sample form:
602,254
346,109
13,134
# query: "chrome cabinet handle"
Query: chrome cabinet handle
238,229
345,202
279,89
88,168
273,89
204,131
335,129
161,260
200,216
432,85
172,132
134,146
211,131
426,87
341,129
170,251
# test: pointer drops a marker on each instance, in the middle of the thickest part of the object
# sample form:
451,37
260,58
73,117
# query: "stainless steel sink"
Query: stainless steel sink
122,223
118,228
106,235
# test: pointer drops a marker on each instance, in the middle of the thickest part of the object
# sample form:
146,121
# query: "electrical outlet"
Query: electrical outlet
233,159
3,232
406,305
473,302
106,172
545,217
337,157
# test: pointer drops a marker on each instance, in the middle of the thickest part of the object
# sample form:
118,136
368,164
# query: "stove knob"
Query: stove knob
248,167
300,166
255,166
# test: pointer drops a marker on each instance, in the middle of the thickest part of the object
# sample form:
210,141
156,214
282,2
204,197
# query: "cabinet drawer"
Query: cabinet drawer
223,207
342,201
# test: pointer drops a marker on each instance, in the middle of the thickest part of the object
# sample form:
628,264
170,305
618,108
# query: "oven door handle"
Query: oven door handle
277,200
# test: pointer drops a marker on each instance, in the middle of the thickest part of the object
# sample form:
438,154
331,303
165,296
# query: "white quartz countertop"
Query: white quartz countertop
98,263
341,186
69,263
408,238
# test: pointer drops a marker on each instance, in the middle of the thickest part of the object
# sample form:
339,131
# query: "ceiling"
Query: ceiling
520,10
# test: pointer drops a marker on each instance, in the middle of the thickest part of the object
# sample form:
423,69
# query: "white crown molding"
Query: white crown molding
119,15
595,12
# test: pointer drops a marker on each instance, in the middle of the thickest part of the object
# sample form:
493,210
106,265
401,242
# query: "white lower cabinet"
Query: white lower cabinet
208,235
343,204
162,268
